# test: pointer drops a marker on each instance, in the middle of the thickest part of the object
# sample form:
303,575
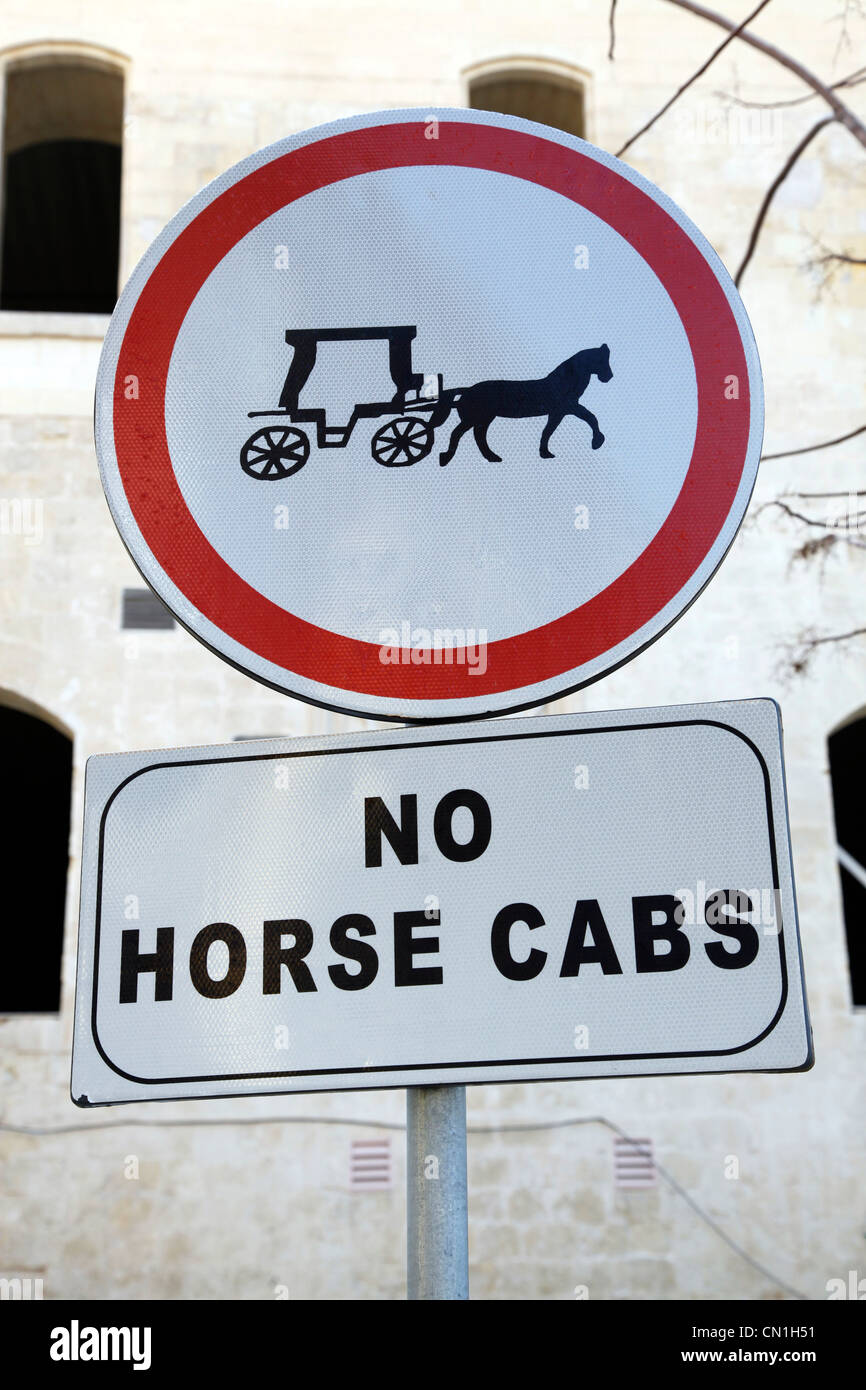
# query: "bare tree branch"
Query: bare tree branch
835,526
811,448
789,511
773,189
694,77
844,40
847,530
830,533
852,80
840,256
843,113
829,263
612,23
823,496
819,546
839,637
804,649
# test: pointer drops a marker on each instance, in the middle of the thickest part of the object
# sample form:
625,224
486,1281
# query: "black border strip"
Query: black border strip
439,1066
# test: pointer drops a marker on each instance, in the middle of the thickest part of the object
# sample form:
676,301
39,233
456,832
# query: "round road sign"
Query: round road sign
429,414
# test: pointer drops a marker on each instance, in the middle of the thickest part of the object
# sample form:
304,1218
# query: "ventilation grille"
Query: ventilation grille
370,1165
633,1163
142,609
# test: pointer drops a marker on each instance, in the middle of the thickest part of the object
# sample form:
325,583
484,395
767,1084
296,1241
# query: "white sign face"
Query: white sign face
561,897
429,415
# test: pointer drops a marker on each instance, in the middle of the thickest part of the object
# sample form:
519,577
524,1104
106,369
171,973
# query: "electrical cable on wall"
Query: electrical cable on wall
520,1127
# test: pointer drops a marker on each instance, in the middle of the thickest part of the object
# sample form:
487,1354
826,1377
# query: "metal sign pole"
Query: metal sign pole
436,1205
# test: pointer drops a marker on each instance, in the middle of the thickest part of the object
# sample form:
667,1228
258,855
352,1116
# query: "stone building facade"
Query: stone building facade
205,1210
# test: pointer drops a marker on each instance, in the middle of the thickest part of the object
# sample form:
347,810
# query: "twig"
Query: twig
824,496
694,77
802,652
836,637
612,23
847,523
772,190
844,40
852,80
811,448
837,256
815,545
828,263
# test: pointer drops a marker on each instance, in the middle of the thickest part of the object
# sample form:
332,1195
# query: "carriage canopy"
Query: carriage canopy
305,342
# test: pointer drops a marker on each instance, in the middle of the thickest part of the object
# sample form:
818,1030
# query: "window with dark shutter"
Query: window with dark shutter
847,747
37,772
553,100
62,141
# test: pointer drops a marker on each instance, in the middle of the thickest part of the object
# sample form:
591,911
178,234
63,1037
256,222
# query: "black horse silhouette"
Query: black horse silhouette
555,396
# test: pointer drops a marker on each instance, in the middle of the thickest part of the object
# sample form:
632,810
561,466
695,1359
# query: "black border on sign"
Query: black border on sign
442,1066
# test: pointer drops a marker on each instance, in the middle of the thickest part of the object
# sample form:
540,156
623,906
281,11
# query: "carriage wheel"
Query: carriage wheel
401,442
274,453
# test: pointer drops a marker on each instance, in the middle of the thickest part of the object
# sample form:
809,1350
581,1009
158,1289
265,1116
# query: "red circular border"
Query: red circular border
563,645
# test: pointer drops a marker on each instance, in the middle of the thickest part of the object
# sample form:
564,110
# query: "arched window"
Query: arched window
62,136
37,772
539,92
847,771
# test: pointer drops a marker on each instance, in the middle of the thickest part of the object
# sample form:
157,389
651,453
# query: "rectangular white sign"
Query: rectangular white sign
605,894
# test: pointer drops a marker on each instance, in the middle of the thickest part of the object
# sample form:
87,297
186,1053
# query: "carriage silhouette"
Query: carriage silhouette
418,406
279,450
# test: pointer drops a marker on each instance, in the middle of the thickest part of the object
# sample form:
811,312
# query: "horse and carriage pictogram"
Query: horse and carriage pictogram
418,406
